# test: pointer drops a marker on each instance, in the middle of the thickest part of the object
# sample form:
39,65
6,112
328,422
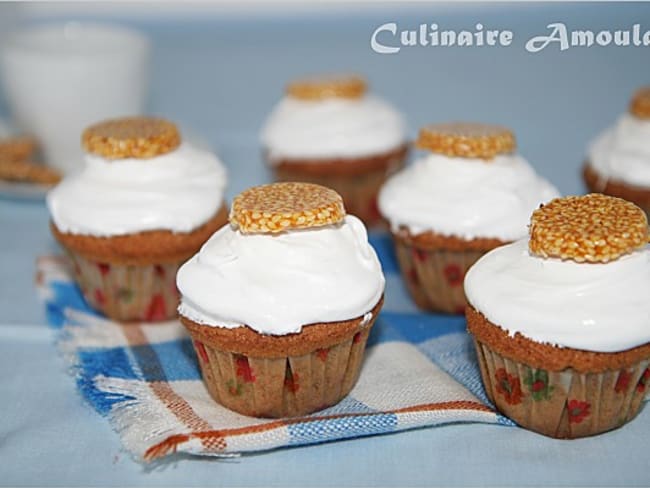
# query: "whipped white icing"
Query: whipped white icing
334,127
622,152
466,198
275,284
177,191
594,307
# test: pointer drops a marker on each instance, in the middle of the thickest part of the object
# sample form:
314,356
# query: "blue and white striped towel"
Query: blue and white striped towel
419,370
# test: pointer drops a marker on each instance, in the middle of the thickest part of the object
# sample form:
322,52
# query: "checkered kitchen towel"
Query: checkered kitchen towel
419,370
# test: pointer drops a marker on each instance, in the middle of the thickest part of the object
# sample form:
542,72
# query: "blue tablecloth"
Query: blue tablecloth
220,77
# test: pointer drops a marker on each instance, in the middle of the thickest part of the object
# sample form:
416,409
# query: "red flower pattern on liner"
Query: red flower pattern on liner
419,254
100,298
538,383
156,308
200,349
623,381
643,381
243,370
413,276
453,274
104,268
322,354
508,386
578,411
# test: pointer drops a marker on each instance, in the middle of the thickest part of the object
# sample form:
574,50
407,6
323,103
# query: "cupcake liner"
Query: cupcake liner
128,292
359,191
282,387
564,404
434,277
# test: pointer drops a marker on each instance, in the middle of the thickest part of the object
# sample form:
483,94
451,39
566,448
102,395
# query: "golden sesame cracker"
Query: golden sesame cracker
640,104
131,137
593,228
28,172
282,206
339,86
19,148
467,140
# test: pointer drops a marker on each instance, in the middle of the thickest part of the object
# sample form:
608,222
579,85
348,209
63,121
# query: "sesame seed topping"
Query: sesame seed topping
591,228
467,140
640,103
282,206
131,137
340,86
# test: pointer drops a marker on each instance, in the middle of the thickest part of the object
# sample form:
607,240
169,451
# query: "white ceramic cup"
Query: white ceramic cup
60,78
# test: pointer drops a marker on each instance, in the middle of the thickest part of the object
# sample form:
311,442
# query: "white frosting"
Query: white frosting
275,284
334,127
465,197
594,307
622,152
177,191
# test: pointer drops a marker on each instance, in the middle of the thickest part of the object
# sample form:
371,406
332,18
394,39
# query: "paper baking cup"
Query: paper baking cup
563,404
434,277
128,292
359,191
287,386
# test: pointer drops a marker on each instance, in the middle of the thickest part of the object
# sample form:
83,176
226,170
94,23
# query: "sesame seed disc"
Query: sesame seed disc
28,172
327,87
19,148
592,228
283,206
131,137
640,104
467,140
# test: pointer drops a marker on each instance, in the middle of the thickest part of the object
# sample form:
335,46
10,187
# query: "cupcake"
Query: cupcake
330,131
561,321
280,302
144,202
469,194
618,163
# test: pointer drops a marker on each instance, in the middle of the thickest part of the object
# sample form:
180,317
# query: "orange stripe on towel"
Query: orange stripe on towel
176,405
170,445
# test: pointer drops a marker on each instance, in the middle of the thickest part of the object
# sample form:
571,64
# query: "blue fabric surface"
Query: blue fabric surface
122,369
556,101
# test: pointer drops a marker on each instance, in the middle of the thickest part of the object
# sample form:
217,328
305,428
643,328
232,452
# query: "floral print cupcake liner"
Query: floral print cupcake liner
128,292
563,404
282,387
434,277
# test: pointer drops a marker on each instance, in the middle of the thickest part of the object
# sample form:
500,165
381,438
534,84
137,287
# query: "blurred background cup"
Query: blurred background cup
59,78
